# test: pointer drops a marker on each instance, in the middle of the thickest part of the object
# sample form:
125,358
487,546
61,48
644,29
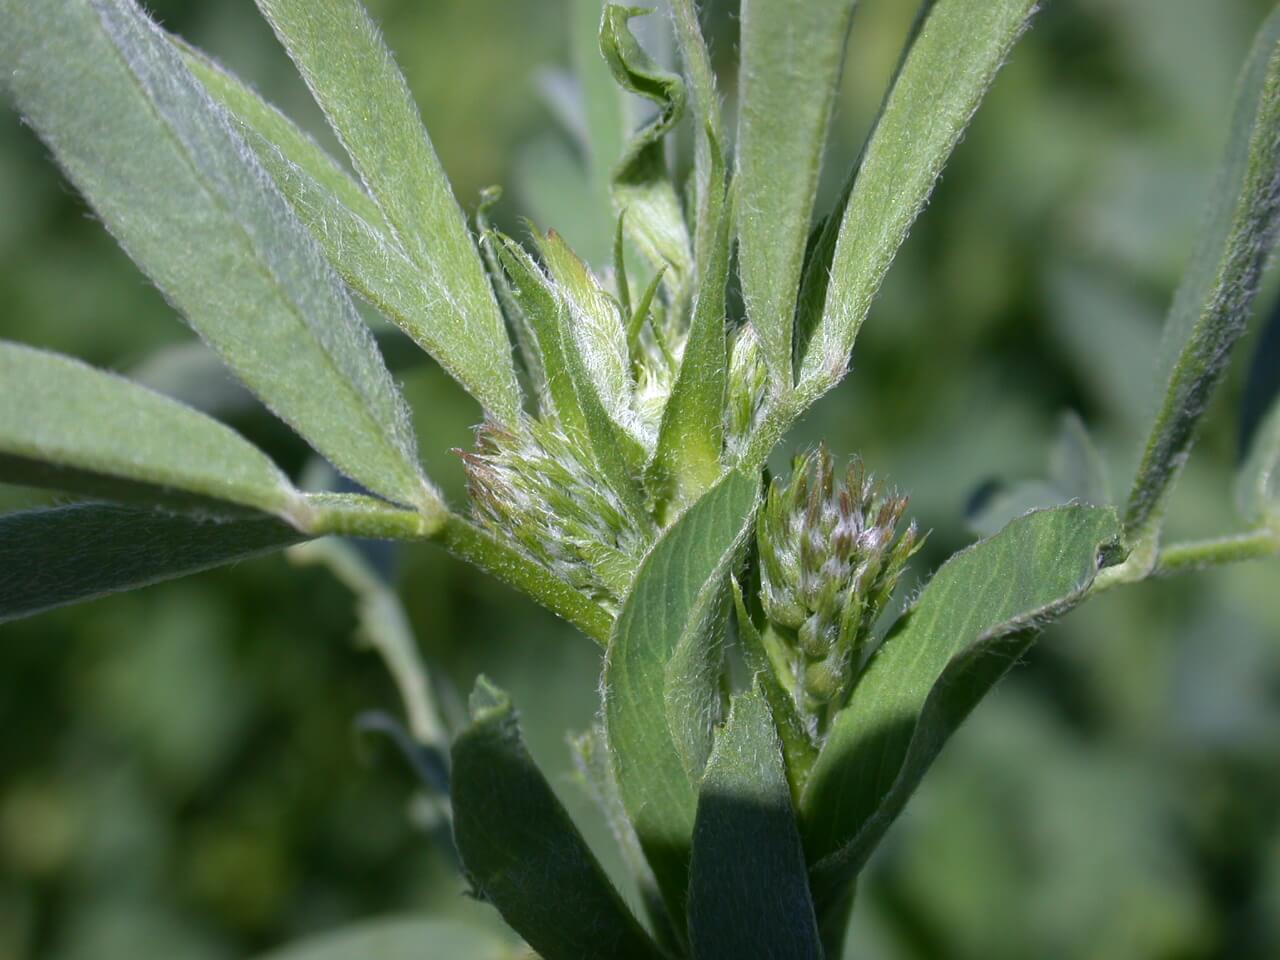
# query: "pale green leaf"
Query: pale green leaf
678,587
1212,304
400,938
68,426
642,186
353,232
522,852
50,558
792,53
748,886
571,389
958,47
355,80
185,197
595,324
970,624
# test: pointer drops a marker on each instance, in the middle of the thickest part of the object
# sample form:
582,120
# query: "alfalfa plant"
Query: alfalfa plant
619,474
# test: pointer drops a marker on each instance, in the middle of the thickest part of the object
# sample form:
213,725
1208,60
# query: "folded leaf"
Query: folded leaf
691,435
976,616
679,586
355,80
522,852
68,426
958,46
50,558
1212,304
400,939
748,887
181,192
642,186
792,52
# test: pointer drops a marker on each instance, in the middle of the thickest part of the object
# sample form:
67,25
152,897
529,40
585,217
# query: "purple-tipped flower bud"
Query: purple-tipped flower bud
830,558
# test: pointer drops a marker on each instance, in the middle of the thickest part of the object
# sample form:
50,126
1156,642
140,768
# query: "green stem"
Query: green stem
479,547
1199,554
1191,555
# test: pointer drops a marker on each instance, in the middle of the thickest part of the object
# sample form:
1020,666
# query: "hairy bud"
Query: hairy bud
830,558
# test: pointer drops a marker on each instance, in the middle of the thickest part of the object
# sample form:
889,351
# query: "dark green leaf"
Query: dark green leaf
355,80
748,887
68,426
1211,307
522,852
976,616
181,192
667,615
49,558
792,52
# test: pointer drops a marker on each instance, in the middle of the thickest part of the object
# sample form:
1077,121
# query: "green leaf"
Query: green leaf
691,434
792,52
642,186
748,887
50,558
522,852
184,196
1258,476
68,426
798,749
353,232
958,47
353,77
977,615
677,589
400,938
570,387
1212,304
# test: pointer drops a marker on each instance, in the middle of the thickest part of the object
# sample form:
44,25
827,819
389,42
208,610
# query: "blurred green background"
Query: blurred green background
179,771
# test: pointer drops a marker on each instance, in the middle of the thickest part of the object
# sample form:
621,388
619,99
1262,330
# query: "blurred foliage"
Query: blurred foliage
180,773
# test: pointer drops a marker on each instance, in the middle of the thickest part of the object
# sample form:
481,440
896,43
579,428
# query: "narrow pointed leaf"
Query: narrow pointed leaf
185,197
570,386
792,53
285,138
641,183
68,426
958,47
595,324
1212,304
355,80
50,558
748,888
351,229
407,938
679,585
691,435
981,608
522,852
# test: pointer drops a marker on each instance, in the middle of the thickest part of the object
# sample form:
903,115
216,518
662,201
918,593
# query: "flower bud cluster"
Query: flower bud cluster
537,491
830,558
